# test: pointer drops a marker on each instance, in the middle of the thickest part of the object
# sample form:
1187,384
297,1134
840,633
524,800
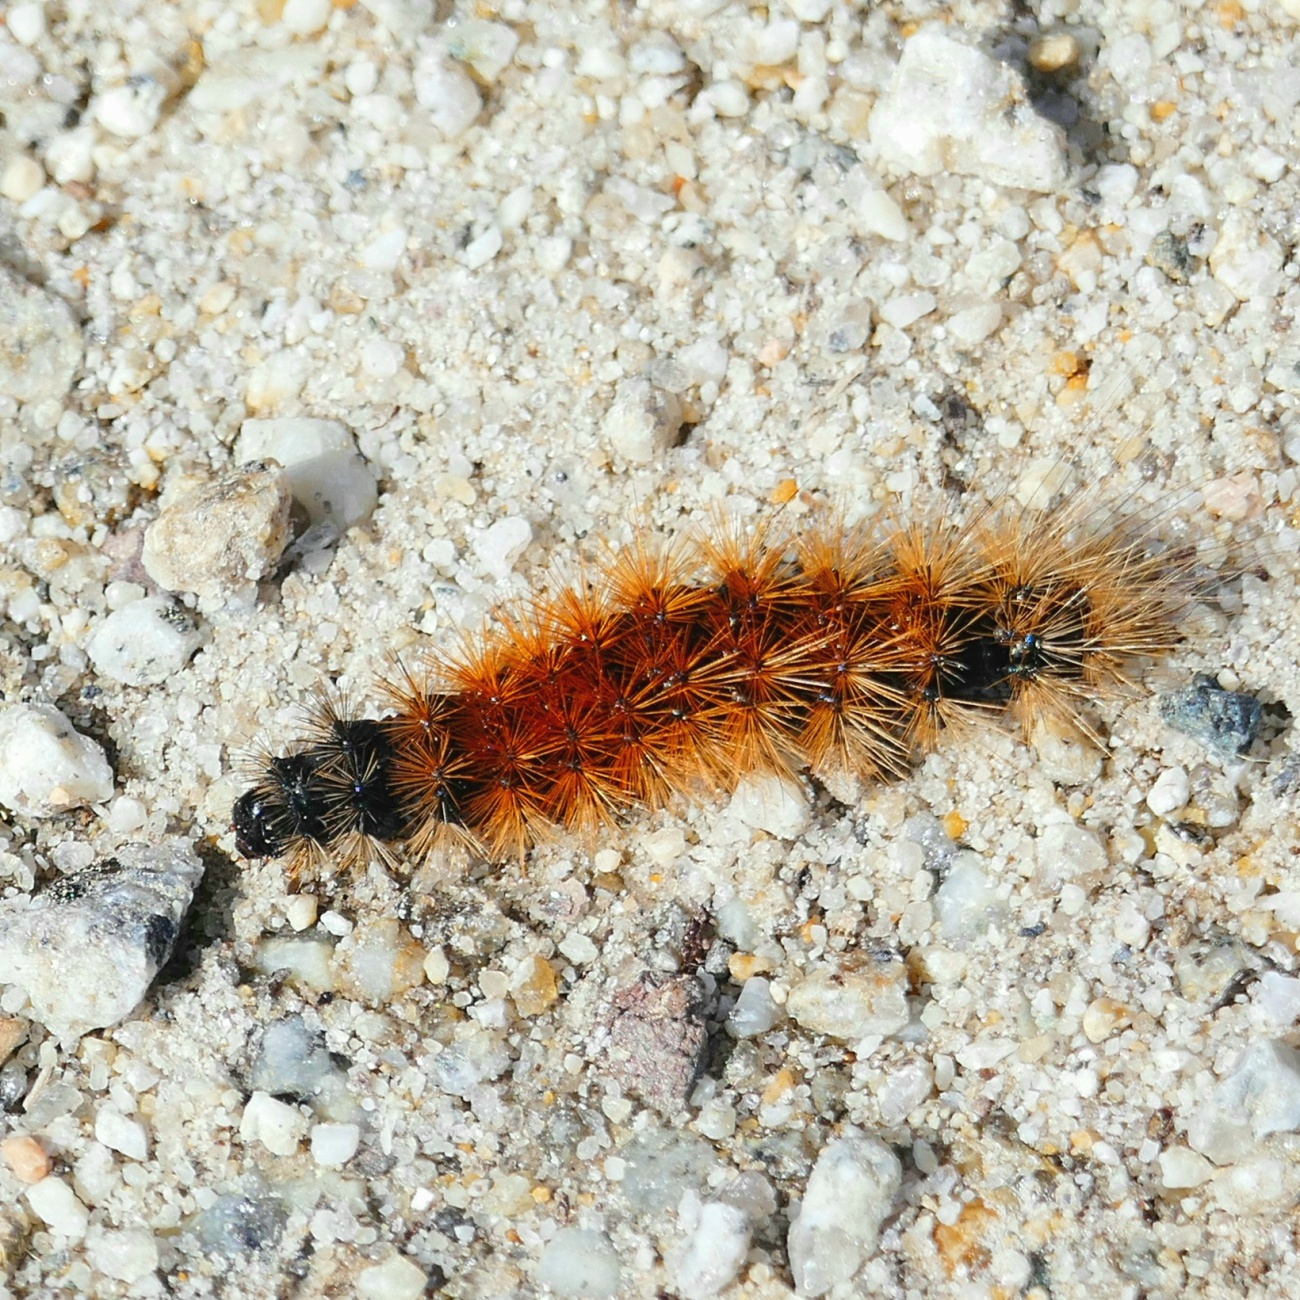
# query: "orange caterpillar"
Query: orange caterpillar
688,667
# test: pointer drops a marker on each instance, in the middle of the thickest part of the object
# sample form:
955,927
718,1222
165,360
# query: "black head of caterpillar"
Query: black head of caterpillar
339,784
678,669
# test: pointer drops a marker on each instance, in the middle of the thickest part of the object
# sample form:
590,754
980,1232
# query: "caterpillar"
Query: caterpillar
678,668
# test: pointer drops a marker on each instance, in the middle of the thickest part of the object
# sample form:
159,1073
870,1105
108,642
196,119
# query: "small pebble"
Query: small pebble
856,998
1068,852
381,359
755,1012
483,248
1170,792
1053,51
486,46
27,1159
325,472
13,1029
1232,497
235,1224
307,960
144,643
120,1133
710,1257
333,1145
382,253
1263,1184
972,325
87,947
1226,722
278,1126
436,966
92,488
378,962
1169,253
580,1264
305,17
293,1061
663,1166
70,155
57,1204
879,214
656,54
40,342
725,98
534,987
578,948
500,544
26,22
656,1039
1103,1017
774,804
1278,998
904,309
301,911
448,93
644,421
850,1193
1205,969
1245,260
1181,1168
220,539
902,1090
397,1278
130,111
128,1255
1065,754
46,766
1259,1097
966,905
476,1056
22,177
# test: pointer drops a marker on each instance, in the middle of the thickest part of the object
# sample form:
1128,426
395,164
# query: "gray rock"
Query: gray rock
40,343
293,1061
235,1224
1224,721
662,1165
87,948
221,538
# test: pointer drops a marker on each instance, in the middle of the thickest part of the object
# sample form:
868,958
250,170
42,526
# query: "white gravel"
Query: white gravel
495,289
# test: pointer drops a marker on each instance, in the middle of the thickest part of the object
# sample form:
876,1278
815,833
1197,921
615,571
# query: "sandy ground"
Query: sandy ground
1019,1025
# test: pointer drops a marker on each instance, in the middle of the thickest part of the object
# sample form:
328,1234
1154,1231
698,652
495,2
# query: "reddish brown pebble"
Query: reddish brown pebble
656,1039
26,1158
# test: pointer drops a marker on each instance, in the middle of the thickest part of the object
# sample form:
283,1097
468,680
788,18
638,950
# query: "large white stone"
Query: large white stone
850,1193
46,766
951,107
87,948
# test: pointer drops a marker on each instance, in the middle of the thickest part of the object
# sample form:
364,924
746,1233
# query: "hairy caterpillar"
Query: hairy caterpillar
683,667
